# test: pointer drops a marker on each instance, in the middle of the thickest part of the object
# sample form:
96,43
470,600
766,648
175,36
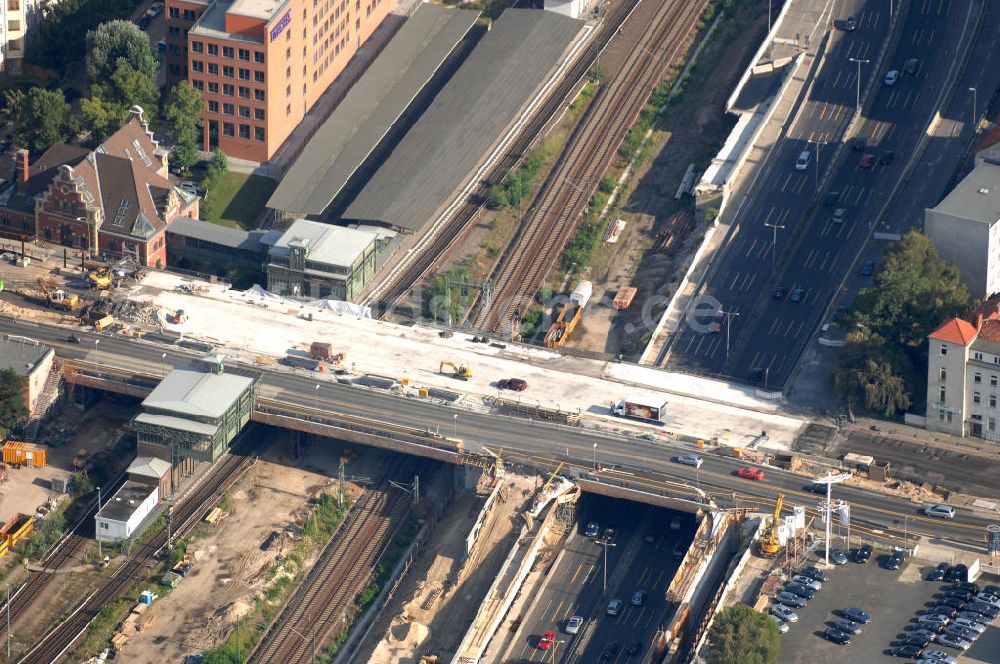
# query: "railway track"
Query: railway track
392,292
57,641
557,208
322,601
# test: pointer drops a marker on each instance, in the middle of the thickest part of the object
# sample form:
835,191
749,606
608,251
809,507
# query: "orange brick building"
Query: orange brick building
260,65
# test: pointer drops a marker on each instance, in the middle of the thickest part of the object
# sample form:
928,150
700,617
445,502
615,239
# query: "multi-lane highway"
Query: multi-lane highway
787,254
542,445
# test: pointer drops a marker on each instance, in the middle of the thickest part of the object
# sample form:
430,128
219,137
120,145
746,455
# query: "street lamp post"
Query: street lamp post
906,531
974,118
829,480
605,544
456,425
316,397
97,360
595,457
729,320
857,102
97,525
774,240
817,144
163,364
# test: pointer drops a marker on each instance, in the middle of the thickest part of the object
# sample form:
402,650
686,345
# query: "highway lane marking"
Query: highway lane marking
557,612
788,329
579,568
784,185
802,183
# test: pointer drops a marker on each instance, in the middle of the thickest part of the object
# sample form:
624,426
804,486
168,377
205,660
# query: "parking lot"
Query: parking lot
892,598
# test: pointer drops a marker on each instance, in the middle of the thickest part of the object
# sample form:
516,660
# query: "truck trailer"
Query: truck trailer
645,410
569,315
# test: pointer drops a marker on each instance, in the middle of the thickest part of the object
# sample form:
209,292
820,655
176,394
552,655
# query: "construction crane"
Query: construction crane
769,542
460,371
56,297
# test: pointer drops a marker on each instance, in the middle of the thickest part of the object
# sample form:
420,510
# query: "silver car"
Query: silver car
785,613
690,460
940,511
782,625
574,624
954,642
807,581
614,607
938,656
974,625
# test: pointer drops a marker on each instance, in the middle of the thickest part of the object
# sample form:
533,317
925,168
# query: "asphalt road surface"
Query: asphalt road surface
541,445
768,331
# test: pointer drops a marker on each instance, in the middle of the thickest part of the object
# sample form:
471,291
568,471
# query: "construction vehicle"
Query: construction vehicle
569,315
460,371
768,544
56,297
177,317
637,408
99,279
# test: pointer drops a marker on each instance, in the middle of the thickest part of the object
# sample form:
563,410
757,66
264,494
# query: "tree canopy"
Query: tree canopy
182,113
883,361
12,406
740,635
112,44
38,118
60,42
107,107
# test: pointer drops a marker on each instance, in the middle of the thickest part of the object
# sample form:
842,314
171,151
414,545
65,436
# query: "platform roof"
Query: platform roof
125,501
468,116
196,393
370,108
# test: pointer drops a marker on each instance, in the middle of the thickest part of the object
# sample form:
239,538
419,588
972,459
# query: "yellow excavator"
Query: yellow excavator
769,541
99,278
460,371
56,297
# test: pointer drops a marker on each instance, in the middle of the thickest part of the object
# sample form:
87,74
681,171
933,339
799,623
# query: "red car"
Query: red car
548,638
867,161
751,473
516,384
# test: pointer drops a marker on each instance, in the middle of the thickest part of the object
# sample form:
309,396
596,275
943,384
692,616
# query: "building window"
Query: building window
288,53
213,69
245,132
992,424
941,395
227,52
228,109
245,113
244,74
228,129
198,85
993,380
197,65
288,91
977,378
944,349
258,134
258,57
227,71
105,525
244,92
213,106
244,54
977,398
213,49
228,89
213,87
993,401
258,114
258,95
197,47
258,76
976,355
943,374
288,109
190,15
288,73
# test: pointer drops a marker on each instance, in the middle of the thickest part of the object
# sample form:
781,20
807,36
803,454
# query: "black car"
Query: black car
993,590
859,143
863,555
935,627
918,641
960,593
983,609
805,592
944,610
887,157
815,488
953,602
850,24
854,614
779,293
895,560
814,573
633,648
837,636
957,573
939,572
847,626
609,650
906,651
963,632
831,198
971,587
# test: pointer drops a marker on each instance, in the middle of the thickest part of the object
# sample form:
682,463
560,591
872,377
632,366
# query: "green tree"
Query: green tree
112,44
107,107
182,114
870,372
740,635
101,117
38,118
12,408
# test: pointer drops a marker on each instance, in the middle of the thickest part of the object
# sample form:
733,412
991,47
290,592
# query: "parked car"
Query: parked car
863,554
859,143
790,599
923,633
867,161
837,636
959,575
782,625
939,572
838,557
515,384
850,24
895,560
974,625
675,523
906,651
802,163
574,624
814,573
638,598
847,626
931,618
942,610
614,607
983,608
750,473
891,77
939,656
856,615
800,590
972,615
609,534
940,511
593,530
548,638
917,641
962,632
690,460
269,542
785,613
956,603
935,627
960,593
954,642
807,581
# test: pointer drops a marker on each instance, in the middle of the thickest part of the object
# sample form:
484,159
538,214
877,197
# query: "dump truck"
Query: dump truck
56,297
569,315
636,408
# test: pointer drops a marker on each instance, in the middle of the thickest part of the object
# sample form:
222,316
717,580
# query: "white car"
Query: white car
975,626
891,77
954,642
937,656
940,511
807,581
574,624
785,613
675,523
690,460
986,598
782,625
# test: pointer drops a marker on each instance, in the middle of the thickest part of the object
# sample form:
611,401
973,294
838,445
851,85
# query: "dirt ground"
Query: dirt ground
228,562
441,594
691,132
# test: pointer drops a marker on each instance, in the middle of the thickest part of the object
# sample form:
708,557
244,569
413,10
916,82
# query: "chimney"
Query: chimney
21,170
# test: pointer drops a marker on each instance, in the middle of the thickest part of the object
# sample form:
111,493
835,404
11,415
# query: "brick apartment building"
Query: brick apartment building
262,64
115,200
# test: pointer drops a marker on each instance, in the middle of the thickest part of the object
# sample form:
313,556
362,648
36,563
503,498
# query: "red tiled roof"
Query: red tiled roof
990,330
956,331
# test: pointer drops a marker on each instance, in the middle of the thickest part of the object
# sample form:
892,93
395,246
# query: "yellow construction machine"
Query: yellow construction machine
460,371
769,540
99,278
56,297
